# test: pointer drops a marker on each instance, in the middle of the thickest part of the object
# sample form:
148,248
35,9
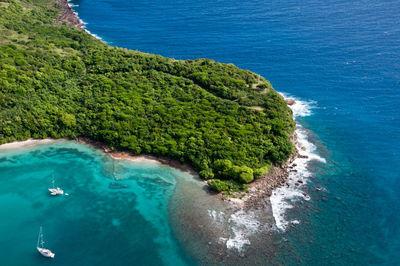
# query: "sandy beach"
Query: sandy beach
16,145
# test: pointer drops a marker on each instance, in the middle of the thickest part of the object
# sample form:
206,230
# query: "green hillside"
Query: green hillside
58,81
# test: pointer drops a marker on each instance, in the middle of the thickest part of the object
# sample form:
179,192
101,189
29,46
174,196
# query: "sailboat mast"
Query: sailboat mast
53,181
40,238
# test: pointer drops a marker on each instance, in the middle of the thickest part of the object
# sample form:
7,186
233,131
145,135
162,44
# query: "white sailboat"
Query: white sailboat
55,191
40,246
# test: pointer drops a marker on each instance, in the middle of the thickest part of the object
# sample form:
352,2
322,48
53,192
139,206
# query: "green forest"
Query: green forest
58,81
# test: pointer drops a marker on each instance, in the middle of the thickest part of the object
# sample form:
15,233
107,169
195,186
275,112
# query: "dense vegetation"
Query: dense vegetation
57,81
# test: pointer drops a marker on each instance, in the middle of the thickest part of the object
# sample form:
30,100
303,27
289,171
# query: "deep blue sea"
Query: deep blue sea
341,59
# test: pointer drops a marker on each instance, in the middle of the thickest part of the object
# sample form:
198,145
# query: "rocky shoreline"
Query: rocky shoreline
262,187
69,16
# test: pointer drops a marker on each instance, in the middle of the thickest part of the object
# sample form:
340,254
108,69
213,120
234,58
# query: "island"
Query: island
58,81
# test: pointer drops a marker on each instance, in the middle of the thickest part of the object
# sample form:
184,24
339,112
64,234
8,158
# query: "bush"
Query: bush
262,86
259,172
243,174
206,174
246,175
218,185
227,186
223,168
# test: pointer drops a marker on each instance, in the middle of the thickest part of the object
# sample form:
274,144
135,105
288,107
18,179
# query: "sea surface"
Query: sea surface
339,59
113,211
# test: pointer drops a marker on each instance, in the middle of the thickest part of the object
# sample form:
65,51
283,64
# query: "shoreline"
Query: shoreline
118,154
69,16
263,187
24,144
115,154
258,190
277,177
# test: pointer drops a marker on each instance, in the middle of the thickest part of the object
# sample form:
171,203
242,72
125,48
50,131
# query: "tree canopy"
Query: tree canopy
58,81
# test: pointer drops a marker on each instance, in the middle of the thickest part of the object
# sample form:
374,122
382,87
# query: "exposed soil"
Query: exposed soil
68,15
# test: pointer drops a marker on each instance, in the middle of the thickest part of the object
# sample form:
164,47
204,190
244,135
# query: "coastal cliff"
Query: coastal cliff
68,15
227,123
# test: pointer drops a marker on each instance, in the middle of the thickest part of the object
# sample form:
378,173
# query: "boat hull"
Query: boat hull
46,252
56,191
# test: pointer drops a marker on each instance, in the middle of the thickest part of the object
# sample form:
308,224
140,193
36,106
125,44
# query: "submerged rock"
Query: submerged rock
290,101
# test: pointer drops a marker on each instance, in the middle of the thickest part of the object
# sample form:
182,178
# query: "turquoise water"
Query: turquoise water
94,224
343,59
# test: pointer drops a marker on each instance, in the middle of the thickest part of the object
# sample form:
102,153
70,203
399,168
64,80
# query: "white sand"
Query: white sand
135,159
25,144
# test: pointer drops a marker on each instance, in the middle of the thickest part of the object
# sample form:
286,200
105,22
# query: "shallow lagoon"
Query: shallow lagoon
94,224
164,217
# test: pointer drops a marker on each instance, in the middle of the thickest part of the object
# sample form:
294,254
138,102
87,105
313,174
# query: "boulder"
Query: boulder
290,101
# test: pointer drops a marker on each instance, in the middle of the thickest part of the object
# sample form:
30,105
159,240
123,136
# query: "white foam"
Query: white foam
83,23
282,198
94,35
72,5
300,108
217,216
222,240
243,225
305,147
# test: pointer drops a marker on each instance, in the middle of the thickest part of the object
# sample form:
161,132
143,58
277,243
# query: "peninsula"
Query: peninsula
57,81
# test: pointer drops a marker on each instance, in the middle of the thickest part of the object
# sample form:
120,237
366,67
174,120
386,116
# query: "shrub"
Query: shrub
246,175
223,168
262,86
259,172
206,174
218,185
243,174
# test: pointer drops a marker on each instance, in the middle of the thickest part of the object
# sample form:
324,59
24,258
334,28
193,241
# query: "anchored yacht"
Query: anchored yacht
40,246
55,191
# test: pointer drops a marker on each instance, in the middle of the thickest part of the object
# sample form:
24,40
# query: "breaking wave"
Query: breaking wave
282,198
242,225
71,5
